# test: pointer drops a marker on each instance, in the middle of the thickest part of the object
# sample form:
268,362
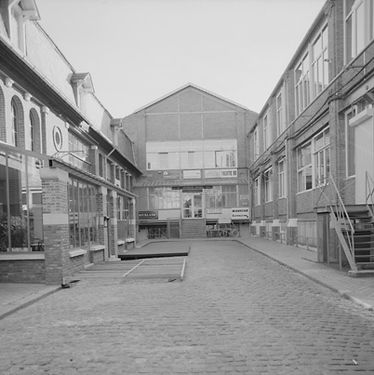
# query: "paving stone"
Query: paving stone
236,312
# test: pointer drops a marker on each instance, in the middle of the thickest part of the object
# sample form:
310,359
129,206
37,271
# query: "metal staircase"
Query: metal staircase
354,227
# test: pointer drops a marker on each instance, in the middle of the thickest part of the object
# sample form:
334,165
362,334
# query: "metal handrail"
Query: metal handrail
342,206
369,192
340,215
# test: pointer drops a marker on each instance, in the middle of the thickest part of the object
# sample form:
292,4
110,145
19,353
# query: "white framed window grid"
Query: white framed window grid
358,26
313,162
268,186
312,71
282,183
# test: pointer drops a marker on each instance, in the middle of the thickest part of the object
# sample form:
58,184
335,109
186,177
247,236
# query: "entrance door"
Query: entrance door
192,205
364,157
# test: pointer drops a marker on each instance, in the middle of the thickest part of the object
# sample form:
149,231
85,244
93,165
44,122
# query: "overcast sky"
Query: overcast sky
140,50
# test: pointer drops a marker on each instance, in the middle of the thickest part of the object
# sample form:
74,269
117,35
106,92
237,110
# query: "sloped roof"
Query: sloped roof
187,85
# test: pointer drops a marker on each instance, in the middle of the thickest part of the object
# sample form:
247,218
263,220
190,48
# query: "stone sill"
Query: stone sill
77,253
97,248
21,256
120,242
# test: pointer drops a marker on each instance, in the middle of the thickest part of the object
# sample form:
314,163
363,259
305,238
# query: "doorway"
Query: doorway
192,205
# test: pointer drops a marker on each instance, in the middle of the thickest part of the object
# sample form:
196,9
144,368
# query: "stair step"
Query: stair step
361,273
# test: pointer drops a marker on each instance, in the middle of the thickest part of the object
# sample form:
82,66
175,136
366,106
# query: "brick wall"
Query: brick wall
14,271
56,227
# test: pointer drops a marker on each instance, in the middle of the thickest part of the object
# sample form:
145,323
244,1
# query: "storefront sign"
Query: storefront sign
220,173
192,189
193,173
240,213
147,215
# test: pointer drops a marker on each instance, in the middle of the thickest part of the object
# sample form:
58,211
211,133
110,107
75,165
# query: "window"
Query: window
312,72
311,174
17,27
14,123
34,131
163,198
213,198
256,145
358,26
192,154
350,144
302,89
101,165
129,182
83,214
123,184
268,186
117,171
256,192
78,153
279,114
281,179
304,167
321,158
229,196
21,218
266,131
225,159
320,65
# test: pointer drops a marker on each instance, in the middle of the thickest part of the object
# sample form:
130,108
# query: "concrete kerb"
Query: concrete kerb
29,302
343,294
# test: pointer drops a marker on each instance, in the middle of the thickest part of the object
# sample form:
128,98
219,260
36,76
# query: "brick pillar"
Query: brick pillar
56,225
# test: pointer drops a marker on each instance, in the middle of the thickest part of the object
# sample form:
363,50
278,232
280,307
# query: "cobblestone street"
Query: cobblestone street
235,312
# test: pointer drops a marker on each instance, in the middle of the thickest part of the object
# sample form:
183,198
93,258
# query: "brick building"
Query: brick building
192,146
66,167
312,150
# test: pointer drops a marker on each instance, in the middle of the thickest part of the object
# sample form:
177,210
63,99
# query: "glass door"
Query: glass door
192,205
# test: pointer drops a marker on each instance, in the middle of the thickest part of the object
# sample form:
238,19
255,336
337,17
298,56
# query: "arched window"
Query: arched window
34,131
14,140
17,131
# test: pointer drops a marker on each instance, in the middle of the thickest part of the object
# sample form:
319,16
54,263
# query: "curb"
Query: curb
28,303
341,293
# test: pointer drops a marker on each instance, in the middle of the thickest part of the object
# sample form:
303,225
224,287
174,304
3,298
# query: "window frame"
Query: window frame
353,49
257,191
349,130
279,113
323,151
324,57
256,144
282,181
266,130
268,185
301,170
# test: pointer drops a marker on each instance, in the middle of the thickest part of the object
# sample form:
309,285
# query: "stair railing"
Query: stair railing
340,220
369,193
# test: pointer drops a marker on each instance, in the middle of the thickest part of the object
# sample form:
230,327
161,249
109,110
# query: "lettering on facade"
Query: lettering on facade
220,173
143,215
240,213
